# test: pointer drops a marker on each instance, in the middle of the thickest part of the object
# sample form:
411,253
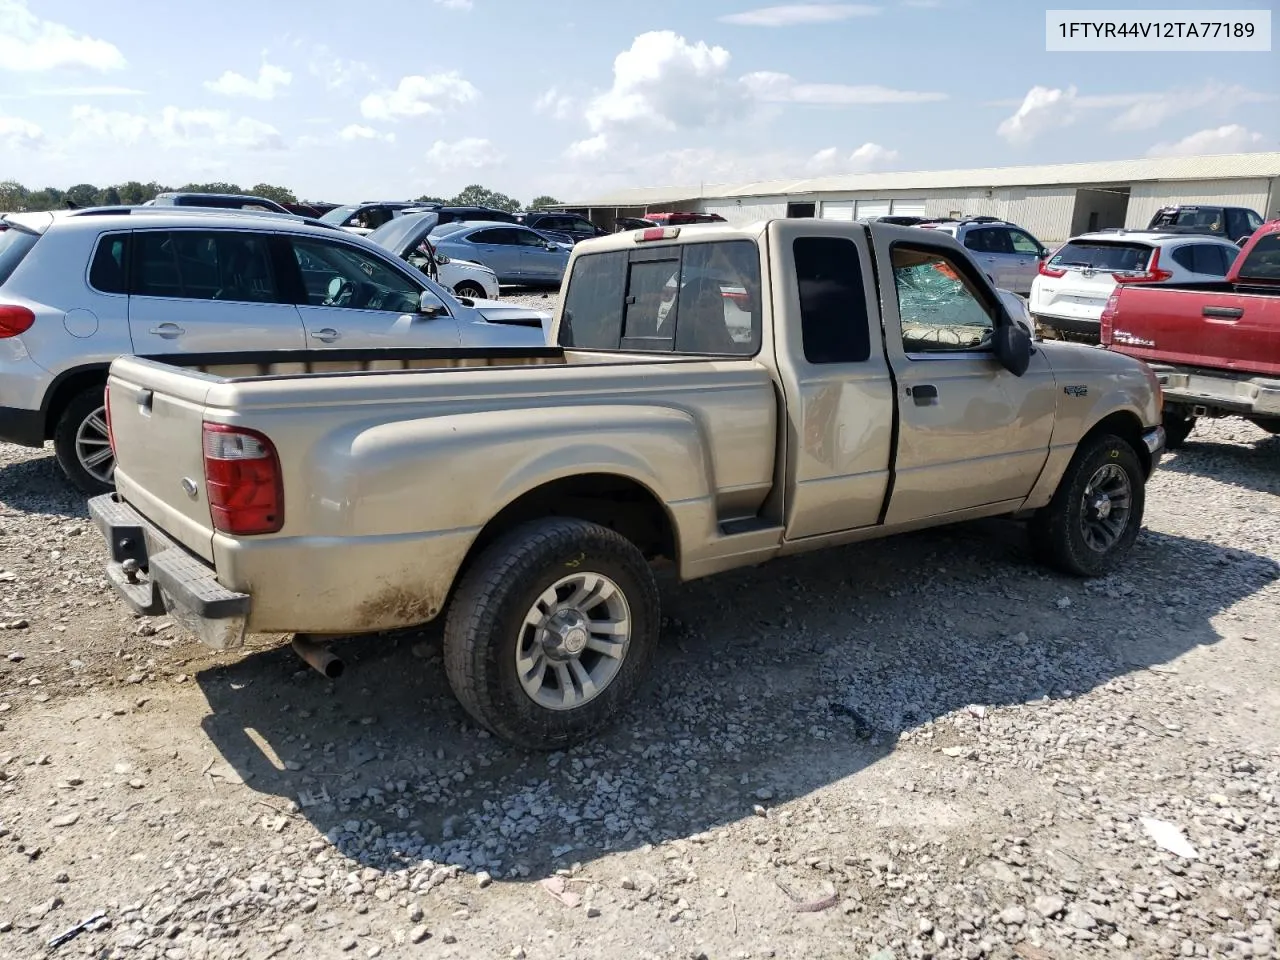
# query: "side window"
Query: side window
833,303
979,241
1185,257
941,308
591,317
501,237
337,275
649,321
109,270
205,265
718,307
1023,243
527,238
1253,220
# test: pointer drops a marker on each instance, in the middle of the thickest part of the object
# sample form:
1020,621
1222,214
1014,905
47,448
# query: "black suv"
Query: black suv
1234,223
224,201
562,226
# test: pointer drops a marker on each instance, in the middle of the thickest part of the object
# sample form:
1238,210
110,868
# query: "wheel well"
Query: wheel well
468,282
1127,427
612,501
66,390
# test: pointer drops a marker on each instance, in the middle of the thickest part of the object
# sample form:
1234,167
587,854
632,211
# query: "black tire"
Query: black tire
83,405
1058,530
486,616
468,289
1177,427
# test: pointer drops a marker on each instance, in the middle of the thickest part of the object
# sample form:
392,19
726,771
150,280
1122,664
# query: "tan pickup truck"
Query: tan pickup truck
717,397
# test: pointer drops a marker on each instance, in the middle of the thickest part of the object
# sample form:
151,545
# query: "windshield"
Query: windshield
1100,255
338,215
399,235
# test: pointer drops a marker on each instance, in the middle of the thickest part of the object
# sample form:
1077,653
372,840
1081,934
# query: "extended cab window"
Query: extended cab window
205,265
941,307
691,298
833,301
1263,262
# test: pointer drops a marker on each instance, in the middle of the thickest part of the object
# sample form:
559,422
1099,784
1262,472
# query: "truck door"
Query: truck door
839,396
969,432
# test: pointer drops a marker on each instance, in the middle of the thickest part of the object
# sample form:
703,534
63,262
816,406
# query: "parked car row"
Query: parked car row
79,288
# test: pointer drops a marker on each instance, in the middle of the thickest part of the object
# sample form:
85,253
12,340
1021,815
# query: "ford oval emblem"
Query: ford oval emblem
189,486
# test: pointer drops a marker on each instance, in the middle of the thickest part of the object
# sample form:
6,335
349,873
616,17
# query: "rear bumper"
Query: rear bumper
23,427
154,575
1078,325
1220,393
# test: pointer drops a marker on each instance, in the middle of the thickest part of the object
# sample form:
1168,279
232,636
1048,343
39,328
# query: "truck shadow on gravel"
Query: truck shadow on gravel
38,485
1256,468
771,682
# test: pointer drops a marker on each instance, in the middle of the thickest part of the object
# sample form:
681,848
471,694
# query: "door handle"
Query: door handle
168,330
327,335
1224,313
923,394
991,259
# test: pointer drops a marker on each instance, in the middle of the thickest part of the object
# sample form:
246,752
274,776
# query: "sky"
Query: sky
575,98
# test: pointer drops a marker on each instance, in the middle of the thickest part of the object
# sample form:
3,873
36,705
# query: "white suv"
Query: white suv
80,288
1075,281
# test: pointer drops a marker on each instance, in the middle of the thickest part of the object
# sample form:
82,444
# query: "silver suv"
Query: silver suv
1010,255
79,288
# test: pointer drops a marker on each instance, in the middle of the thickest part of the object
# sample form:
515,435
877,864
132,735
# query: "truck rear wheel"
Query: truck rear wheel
1096,512
551,631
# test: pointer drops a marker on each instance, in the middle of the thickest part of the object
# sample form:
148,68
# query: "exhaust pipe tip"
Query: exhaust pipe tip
320,658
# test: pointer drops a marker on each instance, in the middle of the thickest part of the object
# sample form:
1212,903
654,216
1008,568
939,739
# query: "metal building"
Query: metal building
1053,201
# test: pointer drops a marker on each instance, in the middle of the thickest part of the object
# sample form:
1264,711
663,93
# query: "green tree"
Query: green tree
109,197
426,199
270,192
50,198
83,195
13,196
476,195
217,186
542,202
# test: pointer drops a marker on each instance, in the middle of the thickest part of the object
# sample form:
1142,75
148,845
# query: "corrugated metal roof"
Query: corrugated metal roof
1220,167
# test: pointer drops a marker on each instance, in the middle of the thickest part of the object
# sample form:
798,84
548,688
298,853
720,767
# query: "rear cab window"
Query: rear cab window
696,298
1263,261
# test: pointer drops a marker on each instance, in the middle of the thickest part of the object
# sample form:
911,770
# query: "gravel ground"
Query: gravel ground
923,747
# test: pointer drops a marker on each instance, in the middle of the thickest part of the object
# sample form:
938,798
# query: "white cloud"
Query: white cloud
28,43
868,157
336,72
588,149
794,14
783,88
455,4
175,127
418,96
1042,109
665,82
871,156
1232,138
357,131
17,133
554,103
269,82
469,153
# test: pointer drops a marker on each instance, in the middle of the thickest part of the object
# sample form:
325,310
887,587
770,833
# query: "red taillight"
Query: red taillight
1108,318
14,320
242,477
1048,271
657,233
1153,273
111,437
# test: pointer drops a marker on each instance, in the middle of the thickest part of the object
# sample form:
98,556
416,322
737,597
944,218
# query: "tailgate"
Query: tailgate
157,412
1222,330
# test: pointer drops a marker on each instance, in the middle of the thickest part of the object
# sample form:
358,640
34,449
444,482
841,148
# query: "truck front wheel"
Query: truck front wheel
1096,512
551,631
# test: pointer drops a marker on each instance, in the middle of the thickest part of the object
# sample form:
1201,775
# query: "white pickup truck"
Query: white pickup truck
717,397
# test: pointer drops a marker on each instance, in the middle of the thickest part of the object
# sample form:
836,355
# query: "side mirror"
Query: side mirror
429,304
1013,347
440,259
550,246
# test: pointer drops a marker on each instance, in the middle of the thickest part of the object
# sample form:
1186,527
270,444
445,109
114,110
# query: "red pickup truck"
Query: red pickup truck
1215,346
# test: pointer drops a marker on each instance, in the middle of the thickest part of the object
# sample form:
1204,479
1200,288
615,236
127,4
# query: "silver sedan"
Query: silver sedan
516,254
